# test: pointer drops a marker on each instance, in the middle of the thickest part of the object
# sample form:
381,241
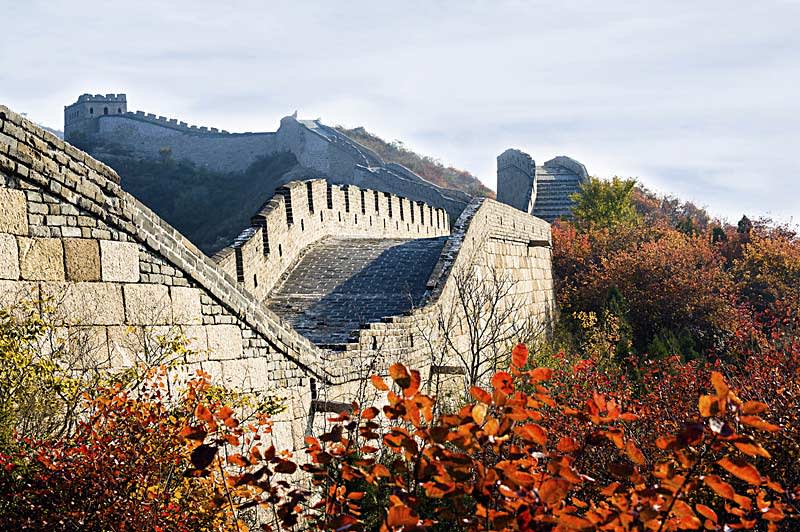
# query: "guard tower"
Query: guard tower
80,118
516,179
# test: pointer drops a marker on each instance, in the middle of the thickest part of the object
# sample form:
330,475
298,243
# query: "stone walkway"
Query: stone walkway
341,283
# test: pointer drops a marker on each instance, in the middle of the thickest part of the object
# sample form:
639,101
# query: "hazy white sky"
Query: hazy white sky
698,99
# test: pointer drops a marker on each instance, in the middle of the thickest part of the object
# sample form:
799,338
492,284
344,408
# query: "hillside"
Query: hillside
191,198
426,166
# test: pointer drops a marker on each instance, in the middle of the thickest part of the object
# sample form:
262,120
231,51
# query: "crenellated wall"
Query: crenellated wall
489,237
321,151
302,213
68,231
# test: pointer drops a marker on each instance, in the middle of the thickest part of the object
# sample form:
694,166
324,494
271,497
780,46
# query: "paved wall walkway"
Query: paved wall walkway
341,283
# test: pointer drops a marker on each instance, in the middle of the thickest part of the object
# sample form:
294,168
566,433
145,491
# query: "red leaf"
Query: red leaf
532,432
519,356
741,469
480,395
503,381
401,515
400,375
378,383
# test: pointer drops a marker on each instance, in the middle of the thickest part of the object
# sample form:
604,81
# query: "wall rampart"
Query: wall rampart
302,213
154,137
493,239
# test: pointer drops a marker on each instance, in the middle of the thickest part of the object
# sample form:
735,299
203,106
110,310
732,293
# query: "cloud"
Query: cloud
695,99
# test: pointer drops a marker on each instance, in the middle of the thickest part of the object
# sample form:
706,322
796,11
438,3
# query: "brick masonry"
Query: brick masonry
120,275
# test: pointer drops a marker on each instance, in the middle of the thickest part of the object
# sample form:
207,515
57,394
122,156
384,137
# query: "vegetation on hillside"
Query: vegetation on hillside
209,208
424,165
668,399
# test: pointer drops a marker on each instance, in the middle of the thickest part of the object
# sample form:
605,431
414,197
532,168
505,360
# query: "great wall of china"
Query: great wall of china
328,284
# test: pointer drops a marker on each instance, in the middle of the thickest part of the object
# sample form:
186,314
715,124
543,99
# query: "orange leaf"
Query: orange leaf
707,512
720,487
378,383
752,449
708,406
758,423
480,395
540,374
532,432
237,459
721,387
519,356
202,413
754,407
413,386
401,515
573,522
400,375
741,469
502,381
225,412
554,490
491,427
479,413
634,453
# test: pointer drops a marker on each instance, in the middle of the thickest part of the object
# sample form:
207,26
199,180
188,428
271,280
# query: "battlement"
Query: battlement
303,212
85,98
177,125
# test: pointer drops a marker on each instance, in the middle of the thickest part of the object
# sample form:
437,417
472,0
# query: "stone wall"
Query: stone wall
488,236
302,213
148,135
112,267
321,150
69,232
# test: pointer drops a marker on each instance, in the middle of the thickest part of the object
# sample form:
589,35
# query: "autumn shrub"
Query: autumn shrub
526,455
121,469
669,288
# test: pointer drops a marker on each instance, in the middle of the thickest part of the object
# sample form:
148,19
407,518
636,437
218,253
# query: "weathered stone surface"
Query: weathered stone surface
120,261
196,342
41,259
13,292
86,303
186,308
82,259
224,342
13,212
88,347
9,257
147,304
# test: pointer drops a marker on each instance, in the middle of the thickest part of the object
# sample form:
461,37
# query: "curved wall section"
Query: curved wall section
303,212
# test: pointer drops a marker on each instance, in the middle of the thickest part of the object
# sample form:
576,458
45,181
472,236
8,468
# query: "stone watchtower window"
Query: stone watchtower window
105,110
91,110
119,110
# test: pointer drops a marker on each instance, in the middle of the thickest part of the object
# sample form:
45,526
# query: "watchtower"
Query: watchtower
80,118
516,179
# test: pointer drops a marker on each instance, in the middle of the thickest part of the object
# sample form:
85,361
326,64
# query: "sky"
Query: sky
700,100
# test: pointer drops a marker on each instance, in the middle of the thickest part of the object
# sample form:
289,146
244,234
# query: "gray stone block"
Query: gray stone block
13,212
9,257
147,304
120,261
41,259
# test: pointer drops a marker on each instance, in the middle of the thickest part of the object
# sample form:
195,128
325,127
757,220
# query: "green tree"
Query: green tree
602,203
